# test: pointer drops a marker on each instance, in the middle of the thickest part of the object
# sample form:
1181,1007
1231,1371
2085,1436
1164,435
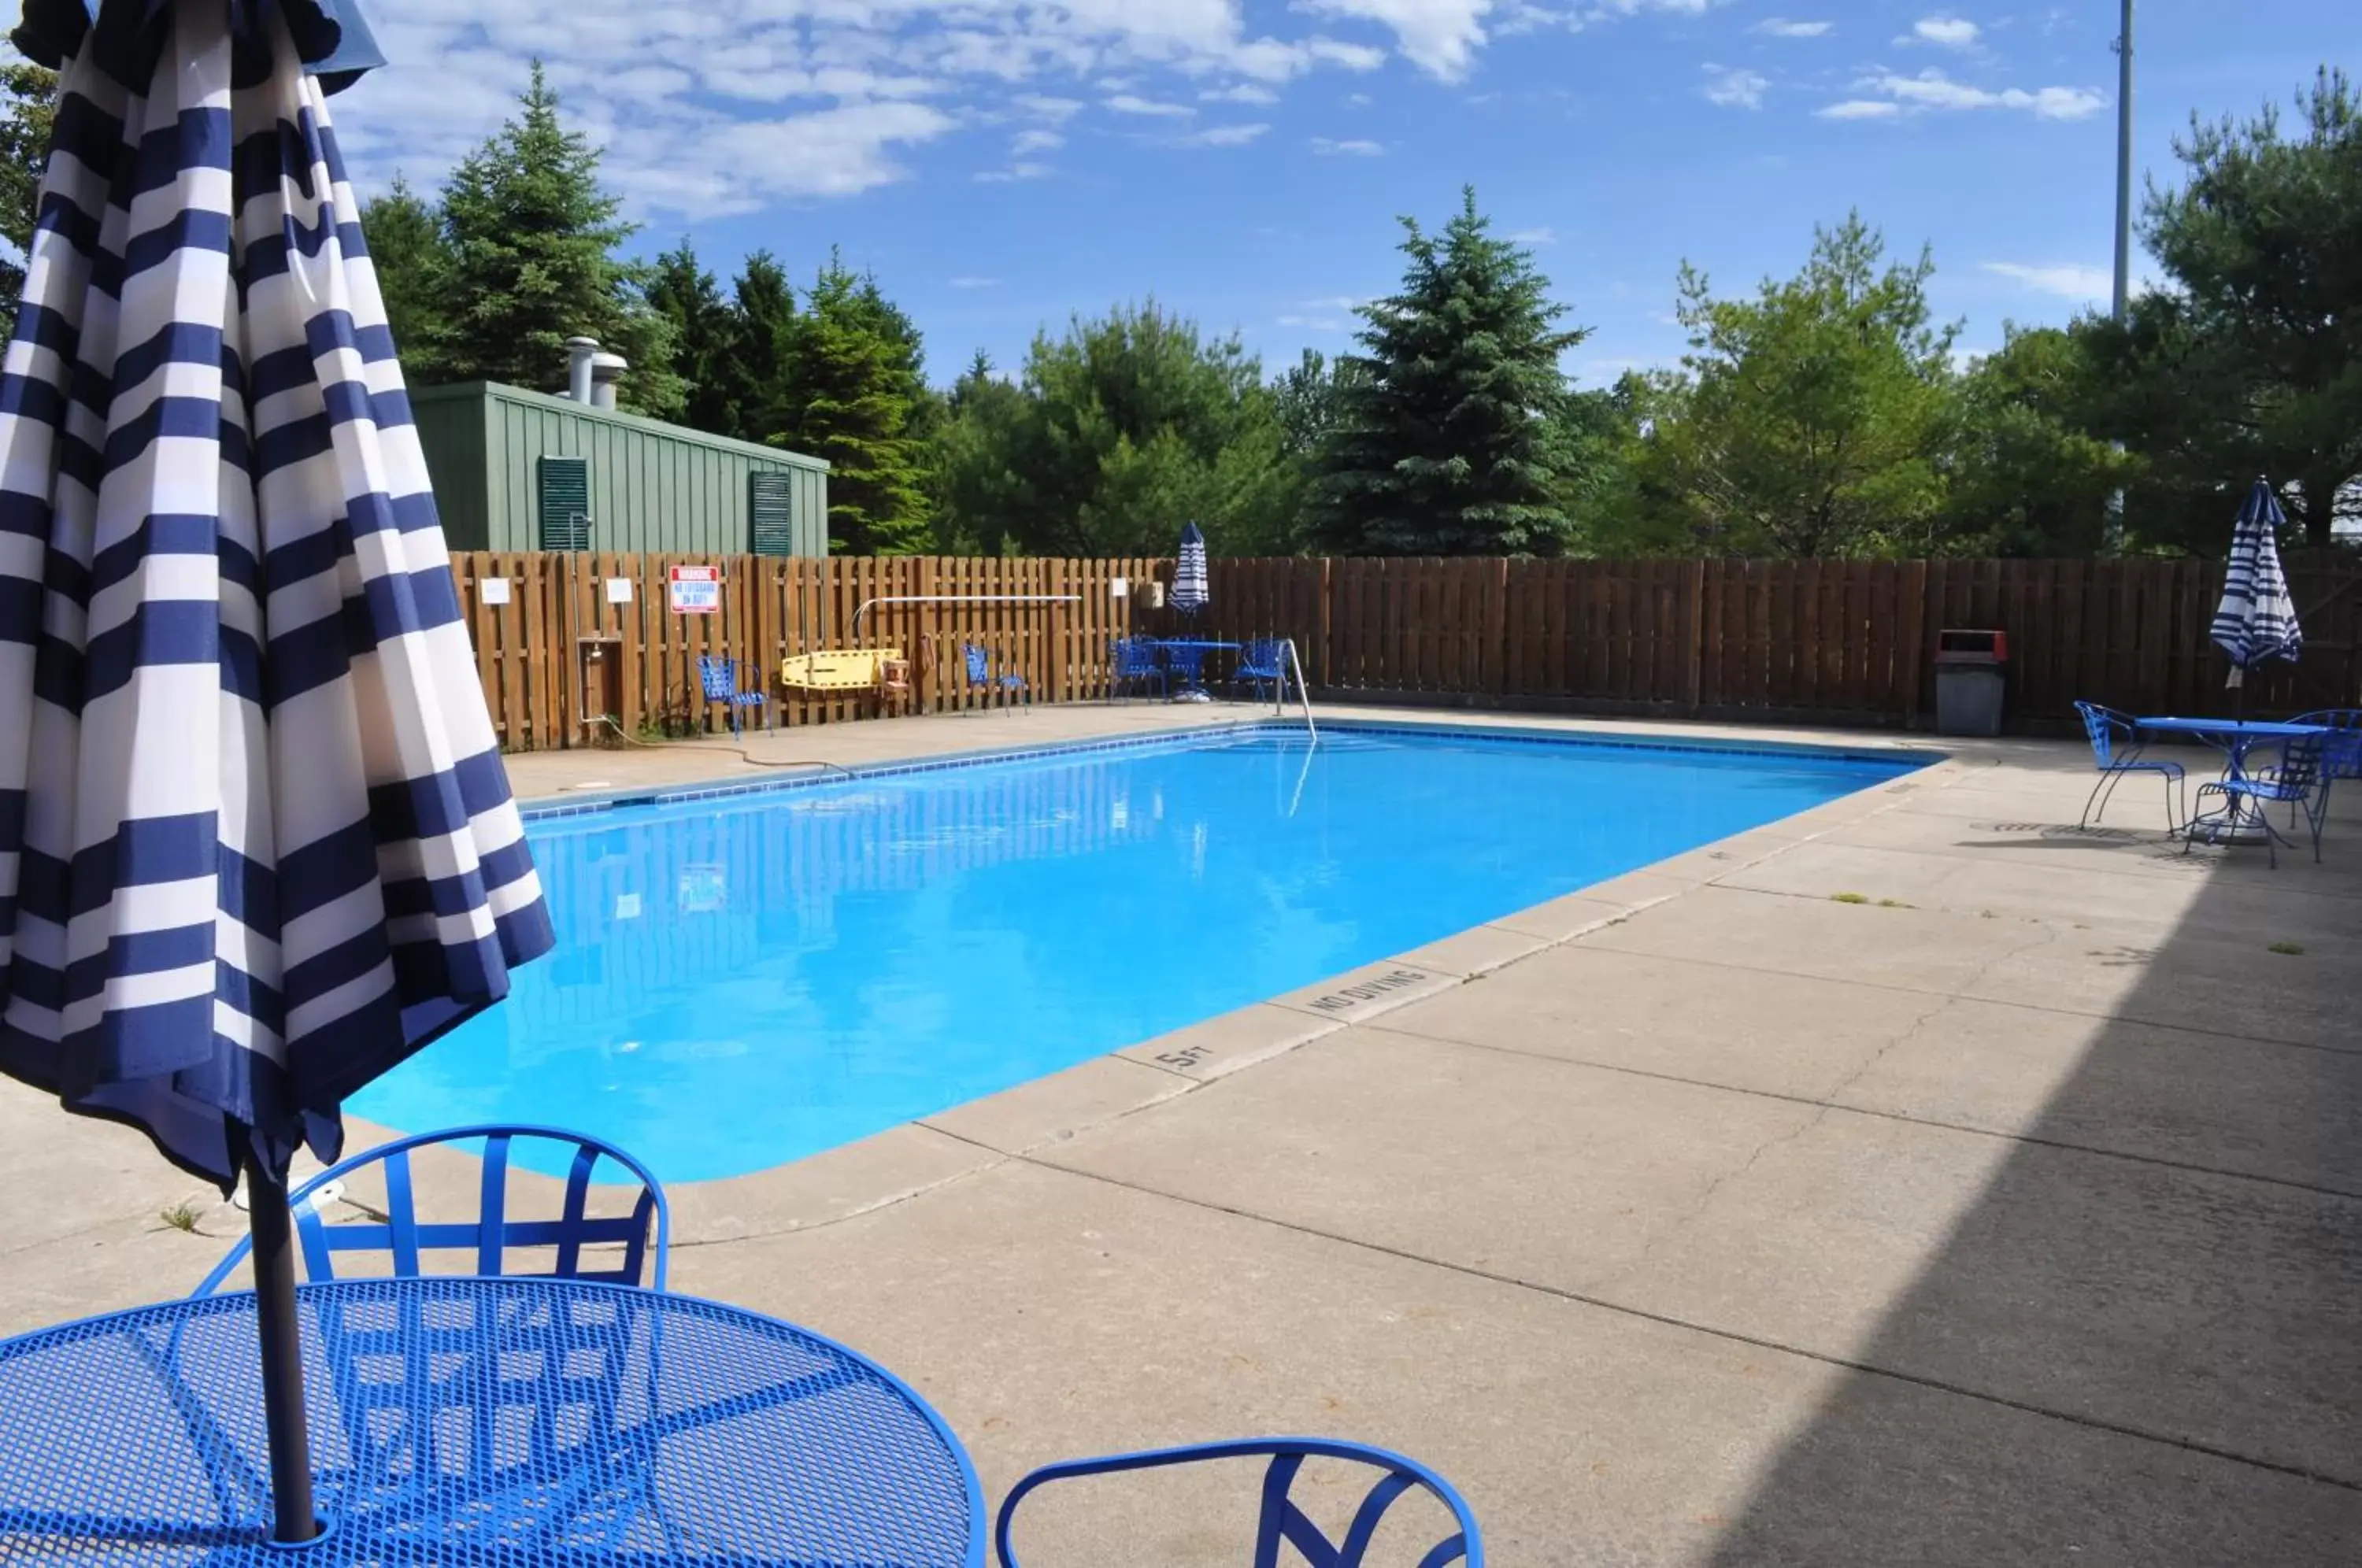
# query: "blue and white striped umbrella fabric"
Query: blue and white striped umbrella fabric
2257,620
256,841
1191,591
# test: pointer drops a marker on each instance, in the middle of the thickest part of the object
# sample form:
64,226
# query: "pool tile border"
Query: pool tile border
547,809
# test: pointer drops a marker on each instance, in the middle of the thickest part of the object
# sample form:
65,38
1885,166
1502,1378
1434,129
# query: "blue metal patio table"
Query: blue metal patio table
2233,737
477,1423
1187,658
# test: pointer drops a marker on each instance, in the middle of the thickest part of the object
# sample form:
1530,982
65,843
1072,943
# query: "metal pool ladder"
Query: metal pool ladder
1303,691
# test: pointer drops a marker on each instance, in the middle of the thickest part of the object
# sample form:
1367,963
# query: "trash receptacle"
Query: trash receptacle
1968,681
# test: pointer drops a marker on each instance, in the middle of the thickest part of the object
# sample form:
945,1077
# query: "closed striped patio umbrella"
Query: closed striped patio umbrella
1192,591
2257,621
256,845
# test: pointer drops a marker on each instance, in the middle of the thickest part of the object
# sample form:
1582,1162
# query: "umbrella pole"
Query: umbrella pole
282,1356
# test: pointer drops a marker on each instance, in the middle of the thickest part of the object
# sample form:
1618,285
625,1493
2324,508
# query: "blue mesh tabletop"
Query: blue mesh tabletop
477,1423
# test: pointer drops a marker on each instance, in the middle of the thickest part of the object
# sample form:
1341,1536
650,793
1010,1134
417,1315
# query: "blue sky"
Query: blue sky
1002,163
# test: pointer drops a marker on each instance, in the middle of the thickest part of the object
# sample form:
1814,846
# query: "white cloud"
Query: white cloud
1945,32
1220,136
1356,147
2066,280
1013,173
1860,109
976,282
1035,141
1057,111
729,105
1439,37
1734,88
1129,103
1316,323
1543,234
1932,90
1781,27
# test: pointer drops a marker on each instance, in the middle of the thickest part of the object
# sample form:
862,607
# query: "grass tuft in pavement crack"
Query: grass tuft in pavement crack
1849,898
181,1216
2289,949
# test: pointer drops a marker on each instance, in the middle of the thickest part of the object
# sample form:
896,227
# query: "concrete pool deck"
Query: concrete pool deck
2013,1213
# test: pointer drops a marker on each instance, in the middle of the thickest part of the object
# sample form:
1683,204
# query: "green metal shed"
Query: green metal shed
524,470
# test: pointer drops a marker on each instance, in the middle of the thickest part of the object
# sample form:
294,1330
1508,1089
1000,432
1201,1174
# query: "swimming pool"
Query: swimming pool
745,980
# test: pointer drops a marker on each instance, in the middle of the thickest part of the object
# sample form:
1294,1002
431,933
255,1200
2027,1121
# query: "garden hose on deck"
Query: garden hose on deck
741,752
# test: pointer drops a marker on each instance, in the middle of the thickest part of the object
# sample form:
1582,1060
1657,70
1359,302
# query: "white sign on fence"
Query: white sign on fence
492,590
619,590
695,589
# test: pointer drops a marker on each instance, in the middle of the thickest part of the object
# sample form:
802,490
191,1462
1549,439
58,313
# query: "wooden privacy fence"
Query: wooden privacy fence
530,646
1845,641
1834,641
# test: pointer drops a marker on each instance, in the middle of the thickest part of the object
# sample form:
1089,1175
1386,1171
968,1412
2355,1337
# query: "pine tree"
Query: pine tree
533,236
1446,433
763,347
854,399
414,277
705,335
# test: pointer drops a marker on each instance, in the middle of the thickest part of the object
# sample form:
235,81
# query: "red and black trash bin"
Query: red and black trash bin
1968,681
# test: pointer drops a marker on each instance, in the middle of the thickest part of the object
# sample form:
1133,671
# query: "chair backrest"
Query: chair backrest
1135,655
1261,655
2342,757
634,1243
978,664
2302,757
1282,1522
2104,725
719,675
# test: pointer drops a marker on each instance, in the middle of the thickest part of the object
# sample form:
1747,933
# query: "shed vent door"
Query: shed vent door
564,491
771,514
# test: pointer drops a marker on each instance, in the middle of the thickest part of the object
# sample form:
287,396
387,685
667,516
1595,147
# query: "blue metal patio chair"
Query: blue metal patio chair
2297,779
643,1234
1261,664
1281,1519
719,678
981,678
2341,759
1137,662
2116,746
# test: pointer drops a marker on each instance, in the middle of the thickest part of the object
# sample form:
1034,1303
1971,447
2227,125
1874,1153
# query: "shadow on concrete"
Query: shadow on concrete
2105,1324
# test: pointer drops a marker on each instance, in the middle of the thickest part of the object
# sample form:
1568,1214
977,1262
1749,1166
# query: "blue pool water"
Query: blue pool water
745,981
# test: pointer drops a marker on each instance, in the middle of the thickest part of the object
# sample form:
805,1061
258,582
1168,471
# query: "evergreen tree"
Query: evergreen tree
763,347
414,277
854,397
2249,360
972,488
29,100
532,238
705,341
1445,438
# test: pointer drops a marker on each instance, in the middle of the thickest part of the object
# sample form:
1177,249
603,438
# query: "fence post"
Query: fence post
1912,643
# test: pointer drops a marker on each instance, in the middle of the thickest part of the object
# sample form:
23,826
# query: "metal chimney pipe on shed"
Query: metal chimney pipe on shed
579,353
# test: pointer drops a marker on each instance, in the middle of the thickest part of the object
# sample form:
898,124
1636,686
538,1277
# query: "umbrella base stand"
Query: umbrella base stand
281,1338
